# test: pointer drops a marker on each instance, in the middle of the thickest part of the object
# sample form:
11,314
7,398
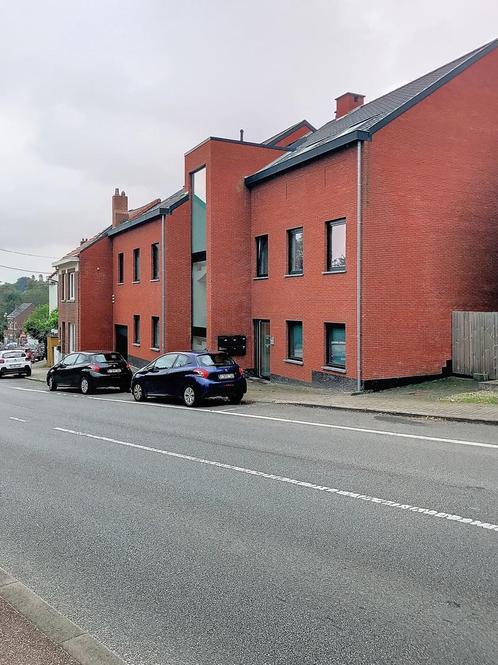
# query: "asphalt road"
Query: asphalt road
253,535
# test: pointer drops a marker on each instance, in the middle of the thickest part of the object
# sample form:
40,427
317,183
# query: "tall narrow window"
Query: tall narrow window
155,332
136,265
63,286
262,256
295,249
136,329
336,345
295,340
120,268
154,261
71,276
199,211
336,246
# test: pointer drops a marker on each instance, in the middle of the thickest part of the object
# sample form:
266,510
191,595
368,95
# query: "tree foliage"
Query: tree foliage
41,322
25,289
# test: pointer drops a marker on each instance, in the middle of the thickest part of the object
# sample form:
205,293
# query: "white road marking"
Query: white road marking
19,420
364,430
469,521
32,390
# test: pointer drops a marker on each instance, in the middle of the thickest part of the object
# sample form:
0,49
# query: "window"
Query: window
336,345
136,329
199,211
82,359
295,340
70,359
262,256
63,284
136,265
165,362
336,246
199,294
182,360
154,261
155,332
71,277
295,247
71,337
120,268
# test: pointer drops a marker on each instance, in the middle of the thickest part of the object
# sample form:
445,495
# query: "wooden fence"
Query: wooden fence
475,343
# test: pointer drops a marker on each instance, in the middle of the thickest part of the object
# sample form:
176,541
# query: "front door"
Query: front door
262,343
122,340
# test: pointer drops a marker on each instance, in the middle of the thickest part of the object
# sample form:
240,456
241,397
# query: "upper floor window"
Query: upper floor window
295,340
262,256
120,268
154,261
336,246
199,211
72,288
295,251
136,265
336,345
63,285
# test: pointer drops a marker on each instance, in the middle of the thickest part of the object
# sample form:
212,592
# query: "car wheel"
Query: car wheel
51,383
190,396
139,393
236,398
85,385
28,371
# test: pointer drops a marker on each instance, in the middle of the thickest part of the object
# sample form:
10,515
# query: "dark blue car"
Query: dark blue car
191,375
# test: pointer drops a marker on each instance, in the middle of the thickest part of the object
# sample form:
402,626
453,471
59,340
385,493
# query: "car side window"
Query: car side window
81,359
182,360
70,359
166,362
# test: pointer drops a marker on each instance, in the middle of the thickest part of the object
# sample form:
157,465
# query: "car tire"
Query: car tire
86,387
51,383
190,396
236,398
139,393
28,371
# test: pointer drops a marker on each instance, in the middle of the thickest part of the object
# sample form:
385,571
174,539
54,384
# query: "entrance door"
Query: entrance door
122,340
262,341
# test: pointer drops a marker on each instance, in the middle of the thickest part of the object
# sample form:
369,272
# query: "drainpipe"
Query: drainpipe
359,203
163,283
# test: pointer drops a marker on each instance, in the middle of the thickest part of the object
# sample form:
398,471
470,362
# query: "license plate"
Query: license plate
113,371
227,376
16,365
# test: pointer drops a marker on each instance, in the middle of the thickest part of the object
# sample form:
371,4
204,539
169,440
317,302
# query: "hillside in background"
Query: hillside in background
25,289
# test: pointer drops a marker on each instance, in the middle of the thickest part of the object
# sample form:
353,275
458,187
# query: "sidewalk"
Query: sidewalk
431,399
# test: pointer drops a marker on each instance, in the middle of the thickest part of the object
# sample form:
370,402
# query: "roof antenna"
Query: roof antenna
241,134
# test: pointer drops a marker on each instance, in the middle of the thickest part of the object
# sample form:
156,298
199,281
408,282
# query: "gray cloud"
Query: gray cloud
98,94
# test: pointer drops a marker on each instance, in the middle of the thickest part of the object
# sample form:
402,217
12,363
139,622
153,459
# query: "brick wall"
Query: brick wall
94,296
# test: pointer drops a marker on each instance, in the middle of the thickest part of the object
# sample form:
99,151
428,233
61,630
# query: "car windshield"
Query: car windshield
107,357
215,359
14,354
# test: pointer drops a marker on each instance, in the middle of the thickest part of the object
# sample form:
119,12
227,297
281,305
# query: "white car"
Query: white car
14,361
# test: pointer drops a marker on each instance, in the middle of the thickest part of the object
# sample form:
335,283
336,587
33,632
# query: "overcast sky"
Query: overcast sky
97,94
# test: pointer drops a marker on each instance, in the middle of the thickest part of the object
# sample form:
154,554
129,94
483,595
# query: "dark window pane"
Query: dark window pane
336,345
262,256
336,245
136,265
295,340
120,268
155,332
136,329
214,359
155,261
295,246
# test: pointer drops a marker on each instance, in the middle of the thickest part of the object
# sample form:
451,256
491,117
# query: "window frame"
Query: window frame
121,268
154,258
153,321
291,325
71,285
137,329
328,359
259,239
329,226
291,233
136,265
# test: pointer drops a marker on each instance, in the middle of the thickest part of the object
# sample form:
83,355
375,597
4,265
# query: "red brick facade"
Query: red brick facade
429,188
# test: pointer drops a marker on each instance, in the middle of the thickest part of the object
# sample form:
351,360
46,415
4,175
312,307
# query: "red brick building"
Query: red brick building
334,255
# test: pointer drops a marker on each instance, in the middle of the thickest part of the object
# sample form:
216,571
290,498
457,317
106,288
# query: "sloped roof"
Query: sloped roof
286,132
20,309
163,207
136,212
362,122
84,245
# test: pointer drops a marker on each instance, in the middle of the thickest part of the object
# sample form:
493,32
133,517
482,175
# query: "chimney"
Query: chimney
347,102
119,208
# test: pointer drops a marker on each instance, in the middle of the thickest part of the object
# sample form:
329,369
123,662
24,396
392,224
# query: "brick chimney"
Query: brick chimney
119,208
347,102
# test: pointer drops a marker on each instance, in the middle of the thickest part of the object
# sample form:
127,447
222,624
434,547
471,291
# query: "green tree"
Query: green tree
41,322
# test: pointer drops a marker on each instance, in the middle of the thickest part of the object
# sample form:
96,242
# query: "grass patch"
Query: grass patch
481,397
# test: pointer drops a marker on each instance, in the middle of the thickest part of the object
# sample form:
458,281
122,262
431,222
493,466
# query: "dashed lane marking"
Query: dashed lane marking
19,420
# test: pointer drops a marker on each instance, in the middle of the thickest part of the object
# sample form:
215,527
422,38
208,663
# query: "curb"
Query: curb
79,644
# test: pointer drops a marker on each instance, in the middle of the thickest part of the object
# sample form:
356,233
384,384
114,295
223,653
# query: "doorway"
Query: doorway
122,340
262,343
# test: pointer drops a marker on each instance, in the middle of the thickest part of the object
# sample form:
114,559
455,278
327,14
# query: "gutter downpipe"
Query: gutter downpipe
163,283
359,204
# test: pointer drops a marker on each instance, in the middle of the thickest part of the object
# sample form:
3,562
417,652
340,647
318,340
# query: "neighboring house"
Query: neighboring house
16,320
52,292
337,253
85,295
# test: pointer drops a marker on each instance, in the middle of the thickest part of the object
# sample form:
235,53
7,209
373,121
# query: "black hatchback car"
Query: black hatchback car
191,375
89,370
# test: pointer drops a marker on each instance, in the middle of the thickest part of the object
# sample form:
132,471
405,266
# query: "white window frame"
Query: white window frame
72,285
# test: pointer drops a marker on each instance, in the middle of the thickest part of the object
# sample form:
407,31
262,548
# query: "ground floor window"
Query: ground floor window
295,340
336,345
71,338
155,332
136,329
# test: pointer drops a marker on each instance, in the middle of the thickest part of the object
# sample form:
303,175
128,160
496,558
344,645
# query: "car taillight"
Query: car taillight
128,366
241,371
201,372
94,367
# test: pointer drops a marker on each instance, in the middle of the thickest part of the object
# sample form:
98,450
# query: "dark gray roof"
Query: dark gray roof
278,137
164,208
19,310
363,121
